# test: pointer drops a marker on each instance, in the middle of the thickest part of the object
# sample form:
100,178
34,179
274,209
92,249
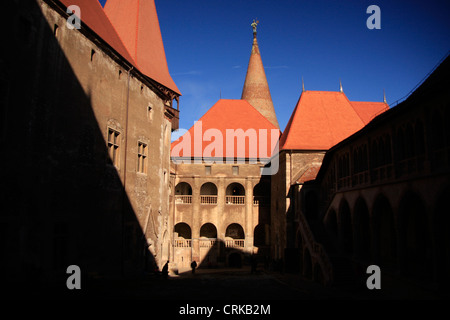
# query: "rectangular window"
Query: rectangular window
207,170
235,170
142,157
113,146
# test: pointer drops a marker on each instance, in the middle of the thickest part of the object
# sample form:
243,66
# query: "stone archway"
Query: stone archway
345,228
384,232
362,230
416,245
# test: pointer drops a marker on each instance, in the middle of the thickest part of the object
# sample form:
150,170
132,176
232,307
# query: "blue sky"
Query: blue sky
208,43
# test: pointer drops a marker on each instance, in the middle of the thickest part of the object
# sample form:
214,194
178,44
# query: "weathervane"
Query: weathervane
254,24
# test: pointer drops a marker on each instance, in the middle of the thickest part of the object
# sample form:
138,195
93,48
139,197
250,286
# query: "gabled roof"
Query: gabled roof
94,17
228,115
132,20
137,24
321,119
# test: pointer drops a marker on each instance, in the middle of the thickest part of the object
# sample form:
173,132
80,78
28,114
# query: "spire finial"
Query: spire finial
384,96
303,85
254,24
340,86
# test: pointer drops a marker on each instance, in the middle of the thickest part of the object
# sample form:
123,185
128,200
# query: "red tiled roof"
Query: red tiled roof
137,24
94,17
229,115
321,119
368,110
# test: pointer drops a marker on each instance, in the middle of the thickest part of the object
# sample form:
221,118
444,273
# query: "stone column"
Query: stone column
248,215
220,211
220,207
195,219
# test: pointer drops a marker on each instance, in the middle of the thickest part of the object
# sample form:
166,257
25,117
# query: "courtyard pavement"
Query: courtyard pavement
227,284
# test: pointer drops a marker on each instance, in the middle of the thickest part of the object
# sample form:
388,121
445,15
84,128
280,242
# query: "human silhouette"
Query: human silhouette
193,266
165,270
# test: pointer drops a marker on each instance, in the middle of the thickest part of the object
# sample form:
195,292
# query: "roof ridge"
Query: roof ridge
354,110
265,119
241,100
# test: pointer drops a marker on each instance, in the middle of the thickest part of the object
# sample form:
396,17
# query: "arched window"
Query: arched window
235,194
183,193
183,230
208,230
260,235
183,239
261,194
235,231
235,235
208,193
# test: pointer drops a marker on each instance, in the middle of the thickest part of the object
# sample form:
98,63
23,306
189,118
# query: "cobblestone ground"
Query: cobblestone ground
240,284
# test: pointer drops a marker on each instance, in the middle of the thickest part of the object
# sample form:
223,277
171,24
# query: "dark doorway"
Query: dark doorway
235,260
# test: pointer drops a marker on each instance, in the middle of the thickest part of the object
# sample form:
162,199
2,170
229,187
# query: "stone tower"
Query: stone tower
256,89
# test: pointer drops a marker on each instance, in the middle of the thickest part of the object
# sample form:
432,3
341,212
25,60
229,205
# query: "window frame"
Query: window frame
113,146
142,155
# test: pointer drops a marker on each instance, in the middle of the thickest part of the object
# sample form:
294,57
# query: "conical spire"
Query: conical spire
256,89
